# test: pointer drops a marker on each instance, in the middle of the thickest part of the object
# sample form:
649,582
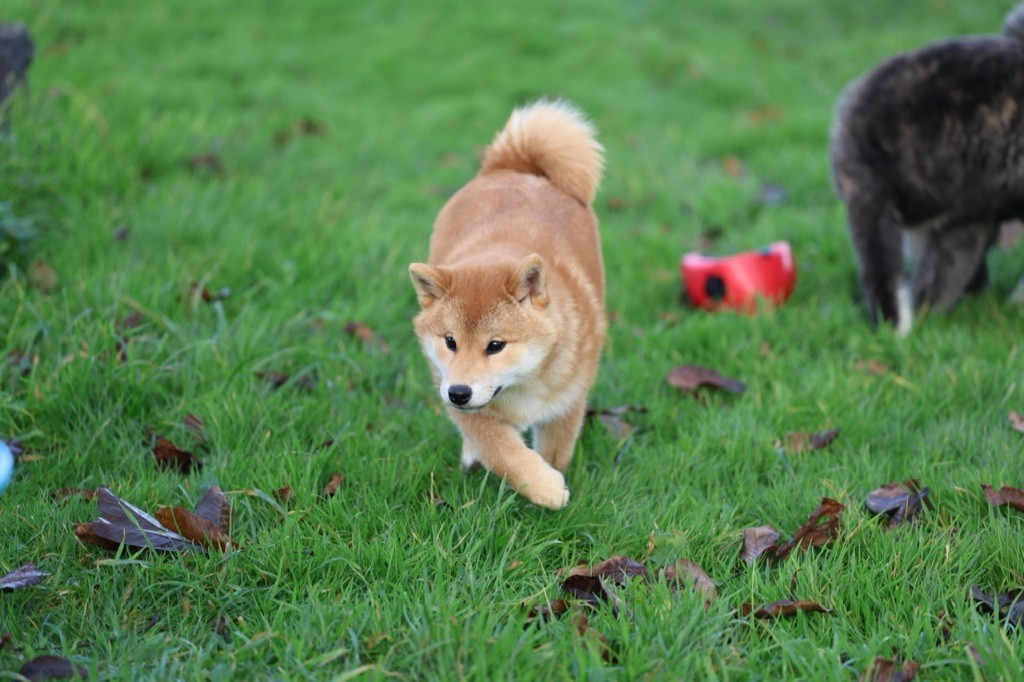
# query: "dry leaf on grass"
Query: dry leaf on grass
194,527
1005,496
280,379
19,363
594,584
195,426
1009,605
872,366
122,523
1017,421
371,341
51,668
333,484
209,162
303,127
901,502
43,277
886,670
198,291
691,377
757,541
797,442
215,508
612,419
170,456
543,613
591,635
284,494
688,573
822,527
782,608
22,577
733,166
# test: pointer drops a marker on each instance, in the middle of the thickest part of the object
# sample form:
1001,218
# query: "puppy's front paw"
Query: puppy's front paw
547,490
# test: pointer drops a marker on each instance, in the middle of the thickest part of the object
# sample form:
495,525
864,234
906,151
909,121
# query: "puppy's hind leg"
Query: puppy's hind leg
876,229
952,262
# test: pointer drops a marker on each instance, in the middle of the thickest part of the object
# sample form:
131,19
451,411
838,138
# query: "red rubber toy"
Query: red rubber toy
736,282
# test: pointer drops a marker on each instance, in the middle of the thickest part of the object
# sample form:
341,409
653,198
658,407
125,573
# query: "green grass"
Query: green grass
377,581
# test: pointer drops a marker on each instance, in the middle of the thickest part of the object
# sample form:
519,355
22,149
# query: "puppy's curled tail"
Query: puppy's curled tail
1013,25
554,140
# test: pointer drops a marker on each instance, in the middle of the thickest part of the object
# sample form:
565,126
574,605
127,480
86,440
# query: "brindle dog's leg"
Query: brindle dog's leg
952,262
876,228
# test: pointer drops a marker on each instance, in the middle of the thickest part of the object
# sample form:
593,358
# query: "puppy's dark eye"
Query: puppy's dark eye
495,347
450,342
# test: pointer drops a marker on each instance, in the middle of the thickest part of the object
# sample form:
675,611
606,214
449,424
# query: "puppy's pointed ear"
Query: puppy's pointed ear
430,283
530,281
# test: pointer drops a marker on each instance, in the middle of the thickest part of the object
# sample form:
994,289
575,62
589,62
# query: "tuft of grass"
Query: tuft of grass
332,133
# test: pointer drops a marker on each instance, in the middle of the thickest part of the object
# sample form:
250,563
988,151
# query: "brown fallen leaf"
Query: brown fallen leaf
688,573
122,523
199,291
1017,421
886,670
279,379
51,668
43,277
822,527
1005,496
782,608
215,508
209,162
370,340
19,362
284,494
169,456
332,485
304,127
733,166
131,321
901,502
543,613
25,576
872,366
757,541
438,501
766,113
691,377
87,536
195,426
612,419
594,584
194,527
589,634
67,492
1008,605
797,442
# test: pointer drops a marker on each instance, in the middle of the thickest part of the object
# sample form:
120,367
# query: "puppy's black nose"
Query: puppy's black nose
459,394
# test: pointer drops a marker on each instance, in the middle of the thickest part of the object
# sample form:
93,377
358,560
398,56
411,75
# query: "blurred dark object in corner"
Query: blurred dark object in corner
16,52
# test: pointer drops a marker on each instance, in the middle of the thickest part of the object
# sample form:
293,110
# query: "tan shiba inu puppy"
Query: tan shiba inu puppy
512,299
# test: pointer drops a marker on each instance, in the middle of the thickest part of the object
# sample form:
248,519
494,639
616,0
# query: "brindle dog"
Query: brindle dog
927,152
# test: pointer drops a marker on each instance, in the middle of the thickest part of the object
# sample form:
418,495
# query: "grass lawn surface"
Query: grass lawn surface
288,160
